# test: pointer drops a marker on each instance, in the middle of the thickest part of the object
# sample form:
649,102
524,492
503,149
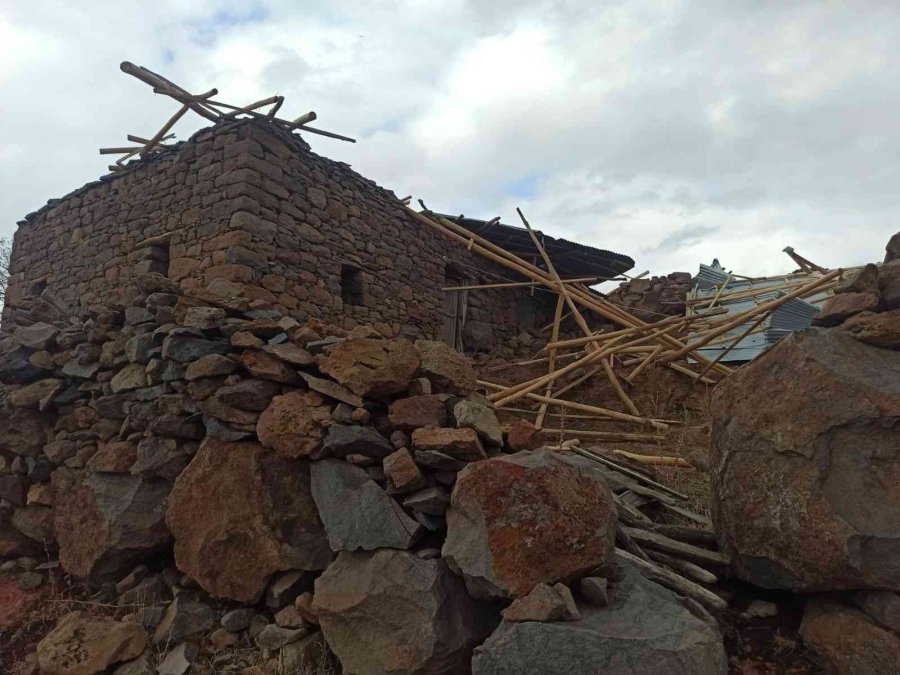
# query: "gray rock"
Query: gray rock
37,336
883,606
286,587
178,661
139,666
544,603
238,619
645,629
150,617
432,459
432,500
276,637
139,348
392,612
15,368
356,513
184,617
595,591
304,655
346,439
481,418
760,609
188,348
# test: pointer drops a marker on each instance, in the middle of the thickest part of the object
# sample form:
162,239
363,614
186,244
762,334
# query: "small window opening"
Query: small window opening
353,286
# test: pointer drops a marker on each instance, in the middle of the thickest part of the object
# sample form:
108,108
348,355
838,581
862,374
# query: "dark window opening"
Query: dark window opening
353,286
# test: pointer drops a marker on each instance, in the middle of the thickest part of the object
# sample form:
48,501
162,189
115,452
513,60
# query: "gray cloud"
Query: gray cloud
777,121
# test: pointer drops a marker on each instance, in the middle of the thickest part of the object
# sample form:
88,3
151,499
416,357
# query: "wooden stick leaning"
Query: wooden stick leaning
560,303
646,361
657,460
674,581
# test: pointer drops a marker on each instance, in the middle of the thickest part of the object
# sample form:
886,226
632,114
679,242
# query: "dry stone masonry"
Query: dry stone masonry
223,474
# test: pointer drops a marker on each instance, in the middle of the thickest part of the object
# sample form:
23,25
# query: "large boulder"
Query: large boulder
372,368
23,431
392,612
448,371
876,329
523,519
645,629
356,512
81,644
106,522
845,640
806,465
239,513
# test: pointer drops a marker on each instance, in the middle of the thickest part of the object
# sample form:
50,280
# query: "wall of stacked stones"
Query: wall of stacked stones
253,209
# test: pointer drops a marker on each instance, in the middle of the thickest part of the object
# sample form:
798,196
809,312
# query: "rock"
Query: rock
480,417
14,489
140,348
402,473
81,644
32,394
276,637
372,368
890,296
437,461
149,591
392,612
863,280
414,412
461,444
289,617
544,603
883,606
846,641
286,587
810,506
305,655
205,318
332,389
645,629
139,666
238,619
211,365
185,616
131,377
255,395
841,307
36,522
37,336
294,424
523,435
28,581
190,348
24,431
15,603
343,440
594,591
290,353
504,530
178,661
16,367
358,514
267,367
448,371
221,639
892,250
106,522
760,609
432,500
879,330
239,513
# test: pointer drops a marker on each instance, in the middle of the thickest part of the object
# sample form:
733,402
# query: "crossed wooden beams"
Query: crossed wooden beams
205,106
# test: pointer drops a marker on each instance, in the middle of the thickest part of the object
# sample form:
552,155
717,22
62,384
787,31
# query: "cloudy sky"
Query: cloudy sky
672,131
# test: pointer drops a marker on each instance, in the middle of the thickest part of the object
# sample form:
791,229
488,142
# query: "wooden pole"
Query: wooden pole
644,363
657,460
514,284
560,303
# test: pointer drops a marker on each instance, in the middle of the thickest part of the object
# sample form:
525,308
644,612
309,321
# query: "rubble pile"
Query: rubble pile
224,476
656,298
805,457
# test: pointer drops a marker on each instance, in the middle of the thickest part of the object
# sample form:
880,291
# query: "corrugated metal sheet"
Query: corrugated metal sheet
792,316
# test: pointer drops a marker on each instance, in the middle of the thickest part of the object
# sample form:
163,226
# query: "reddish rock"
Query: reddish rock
523,435
82,644
845,640
402,472
372,368
448,371
239,513
23,431
841,307
267,367
211,365
879,330
461,444
520,520
805,470
14,602
862,280
105,522
294,424
415,412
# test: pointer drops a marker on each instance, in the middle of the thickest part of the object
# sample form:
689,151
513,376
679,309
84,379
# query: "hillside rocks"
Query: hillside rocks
82,645
645,629
806,465
238,514
502,521
392,612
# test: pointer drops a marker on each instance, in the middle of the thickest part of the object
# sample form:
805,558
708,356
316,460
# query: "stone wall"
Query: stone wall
247,207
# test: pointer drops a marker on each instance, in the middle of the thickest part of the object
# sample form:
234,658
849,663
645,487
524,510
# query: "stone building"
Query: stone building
246,208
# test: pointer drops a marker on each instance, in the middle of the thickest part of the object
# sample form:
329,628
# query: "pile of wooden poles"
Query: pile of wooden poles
635,345
206,107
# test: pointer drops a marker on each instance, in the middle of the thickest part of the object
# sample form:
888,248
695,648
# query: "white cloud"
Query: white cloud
726,129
